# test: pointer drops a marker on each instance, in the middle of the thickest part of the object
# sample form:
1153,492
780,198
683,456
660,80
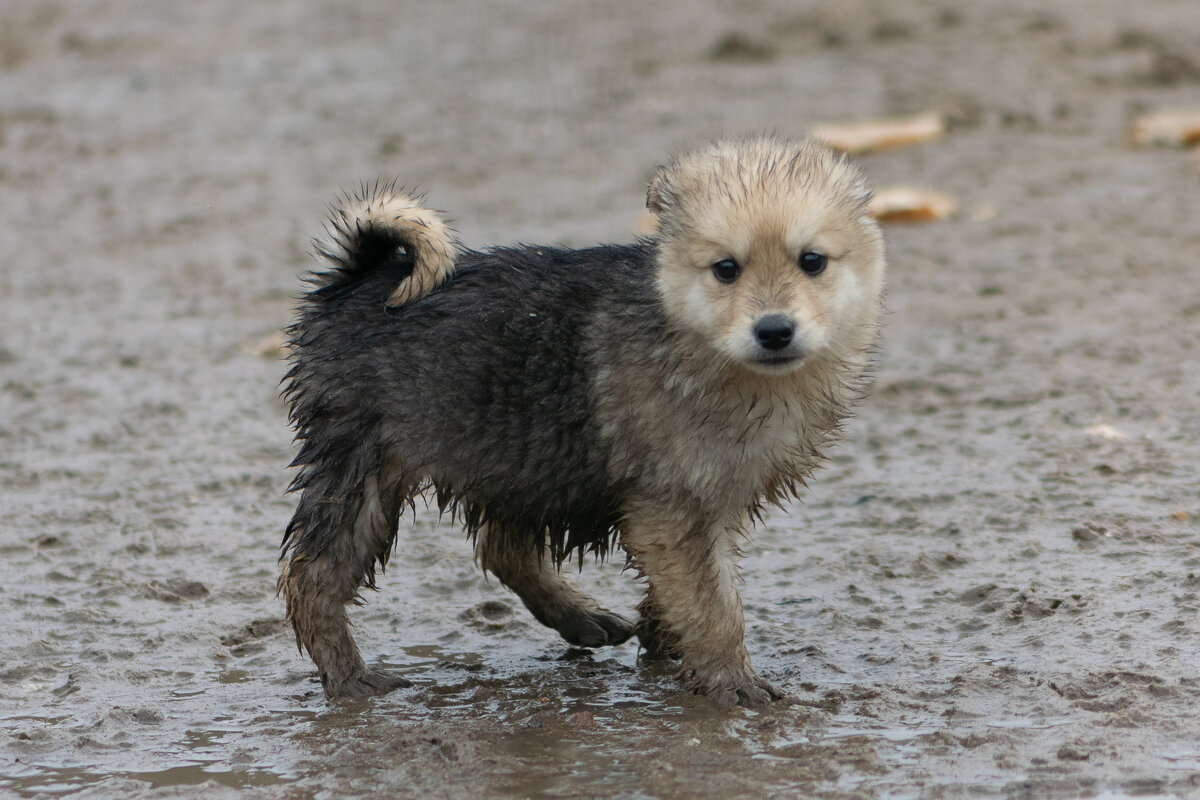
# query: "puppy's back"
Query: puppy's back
484,387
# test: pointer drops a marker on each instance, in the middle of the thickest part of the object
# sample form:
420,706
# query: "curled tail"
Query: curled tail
381,225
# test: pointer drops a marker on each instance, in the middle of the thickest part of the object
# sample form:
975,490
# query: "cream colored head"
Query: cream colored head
766,250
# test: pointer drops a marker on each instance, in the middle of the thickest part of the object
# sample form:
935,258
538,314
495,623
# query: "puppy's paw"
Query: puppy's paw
747,689
656,641
370,682
595,628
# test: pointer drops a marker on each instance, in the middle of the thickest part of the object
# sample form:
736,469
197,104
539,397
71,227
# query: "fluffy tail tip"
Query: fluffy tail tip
379,225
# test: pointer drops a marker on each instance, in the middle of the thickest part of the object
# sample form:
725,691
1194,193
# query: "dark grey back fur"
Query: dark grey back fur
482,389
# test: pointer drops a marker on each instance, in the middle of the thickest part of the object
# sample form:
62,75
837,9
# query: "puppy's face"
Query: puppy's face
766,251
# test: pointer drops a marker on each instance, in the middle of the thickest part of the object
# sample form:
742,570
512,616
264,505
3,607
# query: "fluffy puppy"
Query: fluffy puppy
653,396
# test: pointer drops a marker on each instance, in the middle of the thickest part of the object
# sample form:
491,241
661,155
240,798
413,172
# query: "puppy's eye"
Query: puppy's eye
813,263
726,270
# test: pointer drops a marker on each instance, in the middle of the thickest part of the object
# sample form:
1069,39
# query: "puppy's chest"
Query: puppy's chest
710,441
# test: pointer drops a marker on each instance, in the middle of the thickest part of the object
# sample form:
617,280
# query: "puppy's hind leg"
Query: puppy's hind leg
554,601
656,640
333,544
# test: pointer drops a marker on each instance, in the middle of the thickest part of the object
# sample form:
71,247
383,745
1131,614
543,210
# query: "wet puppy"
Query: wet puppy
653,396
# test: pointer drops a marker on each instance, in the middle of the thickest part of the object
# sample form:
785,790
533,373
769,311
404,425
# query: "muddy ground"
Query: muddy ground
991,591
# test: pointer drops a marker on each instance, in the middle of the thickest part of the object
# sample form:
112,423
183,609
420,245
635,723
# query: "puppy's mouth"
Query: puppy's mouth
774,363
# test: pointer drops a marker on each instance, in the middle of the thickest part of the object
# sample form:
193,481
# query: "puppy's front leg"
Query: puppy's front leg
694,606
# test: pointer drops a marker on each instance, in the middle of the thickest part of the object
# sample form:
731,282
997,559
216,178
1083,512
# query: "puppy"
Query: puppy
653,396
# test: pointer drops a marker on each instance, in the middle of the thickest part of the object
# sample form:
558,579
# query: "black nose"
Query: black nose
774,331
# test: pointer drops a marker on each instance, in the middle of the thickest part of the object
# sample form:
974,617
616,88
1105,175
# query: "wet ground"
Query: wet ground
991,591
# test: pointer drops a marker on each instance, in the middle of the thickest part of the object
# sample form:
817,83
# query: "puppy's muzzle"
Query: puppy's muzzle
774,332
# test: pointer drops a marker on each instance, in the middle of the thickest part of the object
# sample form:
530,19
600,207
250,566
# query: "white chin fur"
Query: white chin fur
774,368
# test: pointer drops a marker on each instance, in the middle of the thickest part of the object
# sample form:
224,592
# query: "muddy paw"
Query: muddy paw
744,690
371,682
595,629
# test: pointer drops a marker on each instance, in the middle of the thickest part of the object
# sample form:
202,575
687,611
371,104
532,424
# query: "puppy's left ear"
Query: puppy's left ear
656,193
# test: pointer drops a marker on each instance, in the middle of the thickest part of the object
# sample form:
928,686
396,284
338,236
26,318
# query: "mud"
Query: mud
991,591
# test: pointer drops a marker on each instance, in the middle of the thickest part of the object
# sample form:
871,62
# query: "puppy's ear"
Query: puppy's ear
657,194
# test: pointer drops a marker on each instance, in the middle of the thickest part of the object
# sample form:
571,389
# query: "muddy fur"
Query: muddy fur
652,396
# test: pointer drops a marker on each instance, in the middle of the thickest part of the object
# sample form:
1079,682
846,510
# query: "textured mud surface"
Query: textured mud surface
991,591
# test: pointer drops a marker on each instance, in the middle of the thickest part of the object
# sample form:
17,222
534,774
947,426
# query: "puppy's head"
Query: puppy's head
766,250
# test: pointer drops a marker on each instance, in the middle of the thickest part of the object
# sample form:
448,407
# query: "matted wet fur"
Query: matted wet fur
652,396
